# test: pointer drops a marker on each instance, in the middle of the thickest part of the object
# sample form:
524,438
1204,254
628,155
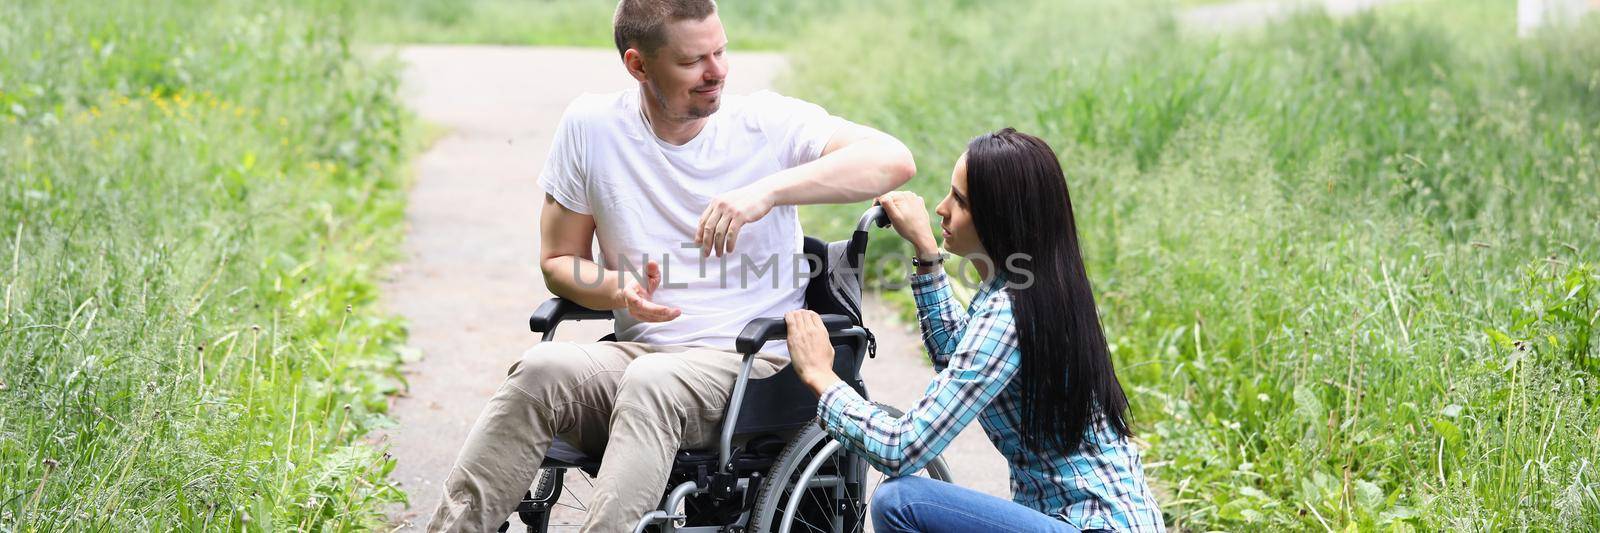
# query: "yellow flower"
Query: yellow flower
94,110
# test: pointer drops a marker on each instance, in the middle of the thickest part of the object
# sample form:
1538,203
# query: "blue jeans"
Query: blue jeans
919,504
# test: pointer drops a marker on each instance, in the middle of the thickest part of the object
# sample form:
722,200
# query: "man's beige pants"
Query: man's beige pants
639,403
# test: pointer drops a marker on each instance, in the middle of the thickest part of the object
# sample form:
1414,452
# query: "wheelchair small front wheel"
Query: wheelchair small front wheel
837,486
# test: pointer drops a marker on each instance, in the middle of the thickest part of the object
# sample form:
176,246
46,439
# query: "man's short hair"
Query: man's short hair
641,24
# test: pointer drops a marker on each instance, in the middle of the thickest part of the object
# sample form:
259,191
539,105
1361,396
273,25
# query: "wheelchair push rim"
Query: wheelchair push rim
839,484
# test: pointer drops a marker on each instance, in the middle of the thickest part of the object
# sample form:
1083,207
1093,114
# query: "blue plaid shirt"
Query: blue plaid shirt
976,355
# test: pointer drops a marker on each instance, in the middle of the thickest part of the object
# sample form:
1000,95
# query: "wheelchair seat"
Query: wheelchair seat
756,455
778,404
563,455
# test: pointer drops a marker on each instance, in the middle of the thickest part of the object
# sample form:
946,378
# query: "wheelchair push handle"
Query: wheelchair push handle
760,331
875,216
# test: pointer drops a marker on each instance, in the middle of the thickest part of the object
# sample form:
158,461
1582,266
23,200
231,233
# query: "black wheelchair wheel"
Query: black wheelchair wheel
836,493
534,511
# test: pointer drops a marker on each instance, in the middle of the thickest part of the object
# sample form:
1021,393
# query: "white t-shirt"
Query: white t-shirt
646,197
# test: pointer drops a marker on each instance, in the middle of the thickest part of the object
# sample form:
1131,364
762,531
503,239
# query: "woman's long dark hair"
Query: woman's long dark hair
1018,198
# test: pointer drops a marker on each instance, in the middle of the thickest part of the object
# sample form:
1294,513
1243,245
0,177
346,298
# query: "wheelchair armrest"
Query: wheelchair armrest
553,311
755,336
760,331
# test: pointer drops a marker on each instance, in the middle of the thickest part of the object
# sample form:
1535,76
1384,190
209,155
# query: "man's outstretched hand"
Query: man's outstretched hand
721,221
637,293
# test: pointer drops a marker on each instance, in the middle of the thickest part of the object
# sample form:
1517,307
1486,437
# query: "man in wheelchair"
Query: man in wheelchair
692,196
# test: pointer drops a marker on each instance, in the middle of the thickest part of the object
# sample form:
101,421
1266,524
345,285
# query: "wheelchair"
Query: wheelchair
773,468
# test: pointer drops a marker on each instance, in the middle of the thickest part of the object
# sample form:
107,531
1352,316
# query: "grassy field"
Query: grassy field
761,24
195,199
1348,267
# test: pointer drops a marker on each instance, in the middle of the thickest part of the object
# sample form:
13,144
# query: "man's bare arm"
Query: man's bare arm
565,259
566,237
859,163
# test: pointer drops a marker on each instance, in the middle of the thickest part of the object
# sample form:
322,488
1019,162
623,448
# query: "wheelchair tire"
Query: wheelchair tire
544,494
769,513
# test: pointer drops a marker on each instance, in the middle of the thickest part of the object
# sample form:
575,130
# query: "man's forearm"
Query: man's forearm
584,282
861,171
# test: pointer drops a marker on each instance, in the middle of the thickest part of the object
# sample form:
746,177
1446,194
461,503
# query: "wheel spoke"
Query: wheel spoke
811,495
581,506
809,525
587,481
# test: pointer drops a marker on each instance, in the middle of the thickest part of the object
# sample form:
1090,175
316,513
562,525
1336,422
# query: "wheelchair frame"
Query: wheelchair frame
725,482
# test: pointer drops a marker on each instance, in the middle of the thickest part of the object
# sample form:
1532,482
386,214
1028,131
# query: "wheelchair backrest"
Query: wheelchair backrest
782,402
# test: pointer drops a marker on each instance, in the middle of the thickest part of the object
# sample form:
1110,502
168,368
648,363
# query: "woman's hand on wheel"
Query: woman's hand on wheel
810,351
909,214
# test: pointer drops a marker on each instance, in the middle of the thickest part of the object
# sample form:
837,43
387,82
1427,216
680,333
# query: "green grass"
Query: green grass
752,25
1348,267
195,198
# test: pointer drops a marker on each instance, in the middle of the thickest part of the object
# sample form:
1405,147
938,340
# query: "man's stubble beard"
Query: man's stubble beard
705,111
693,113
